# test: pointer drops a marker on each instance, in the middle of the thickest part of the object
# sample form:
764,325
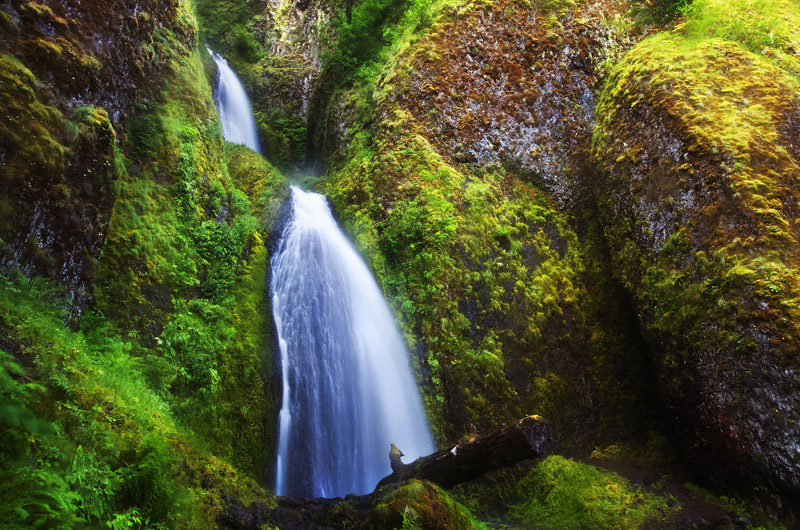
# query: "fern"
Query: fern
29,497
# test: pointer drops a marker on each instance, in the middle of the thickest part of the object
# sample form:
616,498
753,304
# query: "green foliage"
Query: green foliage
364,33
30,496
661,11
563,494
367,31
189,235
109,426
226,27
145,130
81,457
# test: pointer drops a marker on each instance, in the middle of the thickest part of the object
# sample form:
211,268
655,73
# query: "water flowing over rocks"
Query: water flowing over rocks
348,390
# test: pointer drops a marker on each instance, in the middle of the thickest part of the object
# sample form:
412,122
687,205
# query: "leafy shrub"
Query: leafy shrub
30,496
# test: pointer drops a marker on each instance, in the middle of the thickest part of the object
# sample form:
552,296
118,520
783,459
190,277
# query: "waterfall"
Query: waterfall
235,114
348,390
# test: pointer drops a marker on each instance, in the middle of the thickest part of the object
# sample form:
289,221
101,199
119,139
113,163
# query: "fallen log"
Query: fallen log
528,438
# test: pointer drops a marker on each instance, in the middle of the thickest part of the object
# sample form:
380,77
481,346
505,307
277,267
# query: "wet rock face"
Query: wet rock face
700,186
283,83
70,74
513,85
96,53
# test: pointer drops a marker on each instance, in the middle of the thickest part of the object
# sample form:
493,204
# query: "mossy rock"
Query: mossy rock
698,138
418,504
522,96
504,305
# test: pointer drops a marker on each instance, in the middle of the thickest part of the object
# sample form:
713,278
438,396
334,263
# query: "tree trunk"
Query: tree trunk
528,438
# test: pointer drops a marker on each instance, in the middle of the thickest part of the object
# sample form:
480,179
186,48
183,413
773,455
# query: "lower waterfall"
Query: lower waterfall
348,390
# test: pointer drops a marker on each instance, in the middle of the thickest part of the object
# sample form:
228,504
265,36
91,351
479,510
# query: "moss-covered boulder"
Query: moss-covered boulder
697,137
418,504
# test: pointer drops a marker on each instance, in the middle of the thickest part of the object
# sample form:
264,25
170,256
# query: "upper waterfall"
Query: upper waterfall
235,113
348,390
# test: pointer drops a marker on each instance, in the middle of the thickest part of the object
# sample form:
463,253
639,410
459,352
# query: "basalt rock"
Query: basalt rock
513,84
699,154
69,75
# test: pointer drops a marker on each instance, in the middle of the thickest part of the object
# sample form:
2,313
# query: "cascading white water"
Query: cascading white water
348,390
235,114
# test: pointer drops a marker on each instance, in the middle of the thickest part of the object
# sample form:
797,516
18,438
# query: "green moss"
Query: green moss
561,493
226,28
731,102
479,265
700,226
31,129
189,236
767,28
416,505
484,270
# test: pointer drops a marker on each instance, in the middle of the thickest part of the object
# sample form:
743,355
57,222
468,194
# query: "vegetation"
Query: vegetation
489,276
562,494
159,401
190,236
86,442
705,243
416,505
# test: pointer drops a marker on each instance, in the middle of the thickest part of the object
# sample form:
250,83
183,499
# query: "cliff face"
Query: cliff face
472,177
513,86
697,138
453,166
70,75
116,184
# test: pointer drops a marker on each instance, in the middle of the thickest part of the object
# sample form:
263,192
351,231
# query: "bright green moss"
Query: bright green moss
33,132
479,266
732,103
189,237
416,505
485,271
767,28
563,494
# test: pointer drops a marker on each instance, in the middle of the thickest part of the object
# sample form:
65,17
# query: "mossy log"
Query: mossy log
528,438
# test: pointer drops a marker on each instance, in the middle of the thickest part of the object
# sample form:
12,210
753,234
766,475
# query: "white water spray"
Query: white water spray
235,114
348,390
